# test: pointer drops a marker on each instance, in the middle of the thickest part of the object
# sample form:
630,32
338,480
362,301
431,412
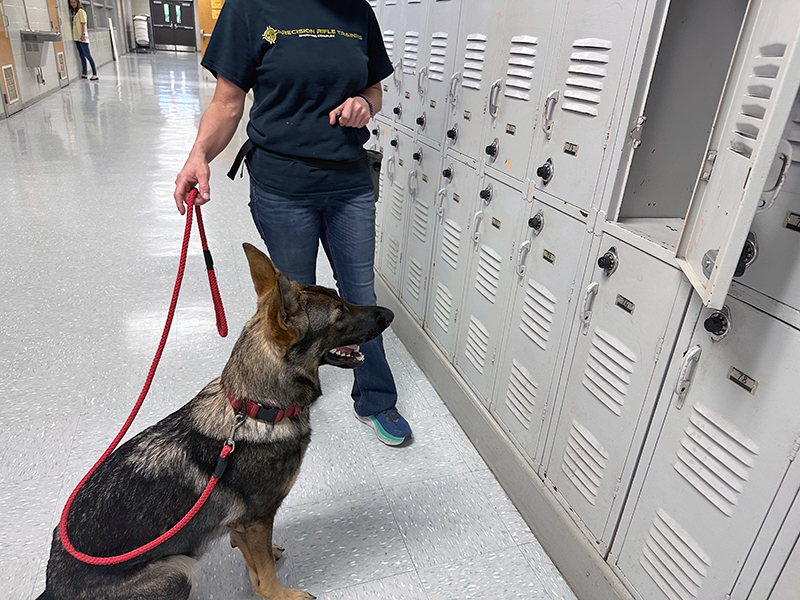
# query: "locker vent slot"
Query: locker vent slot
487,280
676,563
388,41
62,65
521,394
393,254
586,72
411,52
414,280
715,458
477,344
765,68
443,307
451,240
380,189
608,370
398,198
584,461
473,61
438,56
520,67
420,225
12,93
537,314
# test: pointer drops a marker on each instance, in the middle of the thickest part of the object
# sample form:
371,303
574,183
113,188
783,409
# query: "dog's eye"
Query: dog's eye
340,314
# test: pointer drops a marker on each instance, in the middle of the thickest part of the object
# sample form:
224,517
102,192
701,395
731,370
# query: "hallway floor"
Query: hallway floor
89,246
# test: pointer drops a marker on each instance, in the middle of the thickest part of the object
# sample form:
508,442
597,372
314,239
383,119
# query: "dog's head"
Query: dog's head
305,322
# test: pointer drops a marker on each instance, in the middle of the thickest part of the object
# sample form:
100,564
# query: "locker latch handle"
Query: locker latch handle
423,75
453,91
684,382
440,196
390,168
524,249
494,97
588,304
412,184
397,74
476,221
549,106
768,196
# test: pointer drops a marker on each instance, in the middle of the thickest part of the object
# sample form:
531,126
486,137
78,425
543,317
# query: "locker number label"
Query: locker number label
467,115
549,256
424,178
792,221
625,304
496,223
571,149
511,129
408,95
456,197
433,103
743,380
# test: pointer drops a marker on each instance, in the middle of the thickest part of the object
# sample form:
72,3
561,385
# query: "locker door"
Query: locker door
455,210
425,180
497,223
396,209
580,100
721,455
514,98
612,384
552,256
477,49
58,47
385,134
415,17
438,66
391,22
8,75
753,111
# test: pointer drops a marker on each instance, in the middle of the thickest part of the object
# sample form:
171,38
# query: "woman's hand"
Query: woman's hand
353,112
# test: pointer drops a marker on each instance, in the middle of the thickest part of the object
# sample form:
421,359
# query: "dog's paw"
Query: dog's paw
277,551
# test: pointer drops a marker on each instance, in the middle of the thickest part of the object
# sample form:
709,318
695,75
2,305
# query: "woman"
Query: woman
315,68
81,38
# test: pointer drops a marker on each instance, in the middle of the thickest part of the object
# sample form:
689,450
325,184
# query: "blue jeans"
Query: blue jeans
292,230
86,55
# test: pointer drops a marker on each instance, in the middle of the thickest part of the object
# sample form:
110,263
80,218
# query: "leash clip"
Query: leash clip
237,422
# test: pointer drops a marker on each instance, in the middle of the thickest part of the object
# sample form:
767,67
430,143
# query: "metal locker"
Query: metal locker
584,90
775,240
726,439
391,22
424,185
514,96
753,111
455,208
439,59
630,309
476,52
385,133
415,17
396,209
496,226
551,257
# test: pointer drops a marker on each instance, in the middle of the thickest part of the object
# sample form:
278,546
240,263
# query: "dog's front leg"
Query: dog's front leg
254,540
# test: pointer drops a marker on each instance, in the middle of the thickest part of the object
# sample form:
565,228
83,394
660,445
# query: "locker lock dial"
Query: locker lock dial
718,324
448,173
609,261
398,110
421,120
375,132
486,193
493,149
536,222
452,134
394,143
417,156
748,256
546,171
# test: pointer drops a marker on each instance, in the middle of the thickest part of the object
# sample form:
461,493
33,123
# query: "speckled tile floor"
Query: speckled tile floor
89,245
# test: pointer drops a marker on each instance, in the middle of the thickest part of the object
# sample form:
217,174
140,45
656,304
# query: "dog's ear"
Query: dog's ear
278,293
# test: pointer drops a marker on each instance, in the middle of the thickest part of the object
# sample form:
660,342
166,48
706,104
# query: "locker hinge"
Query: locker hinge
616,487
571,289
636,133
659,346
494,355
795,450
708,165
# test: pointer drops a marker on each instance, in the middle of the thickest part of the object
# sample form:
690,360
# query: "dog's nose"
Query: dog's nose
386,315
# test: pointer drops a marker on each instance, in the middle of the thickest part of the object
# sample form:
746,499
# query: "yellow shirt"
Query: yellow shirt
77,25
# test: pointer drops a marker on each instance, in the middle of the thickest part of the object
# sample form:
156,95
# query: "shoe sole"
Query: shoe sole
384,436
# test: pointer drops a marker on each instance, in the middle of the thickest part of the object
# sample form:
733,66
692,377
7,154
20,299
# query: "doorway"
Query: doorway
173,25
9,84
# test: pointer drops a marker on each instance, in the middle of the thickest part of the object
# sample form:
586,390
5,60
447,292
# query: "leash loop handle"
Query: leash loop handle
222,327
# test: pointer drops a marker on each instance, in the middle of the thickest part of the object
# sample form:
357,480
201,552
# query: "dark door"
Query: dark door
173,24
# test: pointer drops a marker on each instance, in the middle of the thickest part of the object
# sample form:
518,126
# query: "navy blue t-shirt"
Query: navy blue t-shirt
302,58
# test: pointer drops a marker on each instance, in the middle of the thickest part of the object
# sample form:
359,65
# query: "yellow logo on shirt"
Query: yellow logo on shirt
270,35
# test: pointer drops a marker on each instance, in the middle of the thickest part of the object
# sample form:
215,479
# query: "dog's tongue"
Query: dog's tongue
347,349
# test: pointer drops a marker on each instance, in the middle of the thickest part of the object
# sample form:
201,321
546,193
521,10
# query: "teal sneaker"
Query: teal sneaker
391,427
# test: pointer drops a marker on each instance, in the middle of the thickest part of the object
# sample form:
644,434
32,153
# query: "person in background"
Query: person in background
315,68
81,38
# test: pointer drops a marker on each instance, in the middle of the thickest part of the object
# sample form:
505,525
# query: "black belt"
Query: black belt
328,165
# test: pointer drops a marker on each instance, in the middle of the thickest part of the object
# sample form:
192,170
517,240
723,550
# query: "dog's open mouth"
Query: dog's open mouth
344,357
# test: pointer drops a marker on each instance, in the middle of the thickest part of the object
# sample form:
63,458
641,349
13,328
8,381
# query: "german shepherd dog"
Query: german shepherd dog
149,483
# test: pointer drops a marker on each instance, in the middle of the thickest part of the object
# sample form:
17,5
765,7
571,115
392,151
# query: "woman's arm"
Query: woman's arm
355,112
217,126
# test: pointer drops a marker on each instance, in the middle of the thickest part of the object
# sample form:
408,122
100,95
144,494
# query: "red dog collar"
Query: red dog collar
262,413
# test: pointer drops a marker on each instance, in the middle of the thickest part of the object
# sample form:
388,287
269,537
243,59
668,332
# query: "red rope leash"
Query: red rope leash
222,327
